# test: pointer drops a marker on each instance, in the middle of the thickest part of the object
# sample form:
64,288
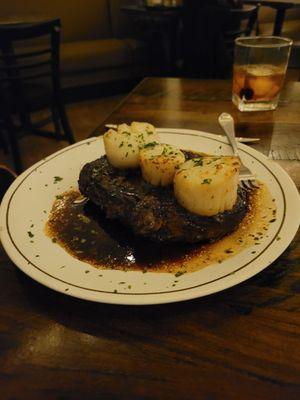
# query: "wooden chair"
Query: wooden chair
6,179
21,73
240,22
209,32
294,61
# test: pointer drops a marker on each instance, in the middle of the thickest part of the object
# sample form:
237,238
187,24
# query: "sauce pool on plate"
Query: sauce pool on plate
84,232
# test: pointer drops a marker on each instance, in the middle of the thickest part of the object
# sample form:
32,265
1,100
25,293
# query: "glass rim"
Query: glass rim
285,42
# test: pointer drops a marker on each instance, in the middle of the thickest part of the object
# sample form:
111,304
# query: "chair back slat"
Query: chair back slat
28,54
25,66
26,77
23,31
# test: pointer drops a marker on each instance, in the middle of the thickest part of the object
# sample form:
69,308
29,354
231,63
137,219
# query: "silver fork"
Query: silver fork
247,178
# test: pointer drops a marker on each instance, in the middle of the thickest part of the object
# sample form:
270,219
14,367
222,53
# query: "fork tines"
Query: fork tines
248,184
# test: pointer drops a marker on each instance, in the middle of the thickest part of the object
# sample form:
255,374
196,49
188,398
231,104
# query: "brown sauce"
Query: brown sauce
84,232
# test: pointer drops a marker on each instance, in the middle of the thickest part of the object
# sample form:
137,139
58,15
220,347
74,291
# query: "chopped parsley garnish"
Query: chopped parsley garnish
198,162
179,273
206,181
149,145
122,144
59,197
228,251
30,234
57,179
273,220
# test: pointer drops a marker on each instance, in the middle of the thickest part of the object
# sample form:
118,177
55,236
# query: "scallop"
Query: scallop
207,185
145,132
122,147
159,163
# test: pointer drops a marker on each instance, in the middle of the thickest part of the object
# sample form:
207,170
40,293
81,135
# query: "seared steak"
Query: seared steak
153,212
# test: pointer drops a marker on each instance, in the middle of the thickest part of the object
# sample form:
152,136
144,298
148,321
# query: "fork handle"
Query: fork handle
227,123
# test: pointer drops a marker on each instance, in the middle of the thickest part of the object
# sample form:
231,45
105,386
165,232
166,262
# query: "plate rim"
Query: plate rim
159,298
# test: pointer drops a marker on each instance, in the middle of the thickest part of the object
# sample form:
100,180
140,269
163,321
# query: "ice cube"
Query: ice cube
262,80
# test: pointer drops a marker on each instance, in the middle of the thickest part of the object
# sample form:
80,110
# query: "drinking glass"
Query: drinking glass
259,70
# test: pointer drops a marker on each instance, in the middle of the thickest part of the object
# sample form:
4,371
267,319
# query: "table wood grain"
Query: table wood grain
243,343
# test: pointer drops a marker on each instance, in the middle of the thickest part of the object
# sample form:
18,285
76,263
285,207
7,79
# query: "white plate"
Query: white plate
30,198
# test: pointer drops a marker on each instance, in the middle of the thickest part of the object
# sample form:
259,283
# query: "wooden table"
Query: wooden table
280,6
243,343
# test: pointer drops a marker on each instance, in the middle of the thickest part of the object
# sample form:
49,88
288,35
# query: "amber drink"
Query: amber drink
259,71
